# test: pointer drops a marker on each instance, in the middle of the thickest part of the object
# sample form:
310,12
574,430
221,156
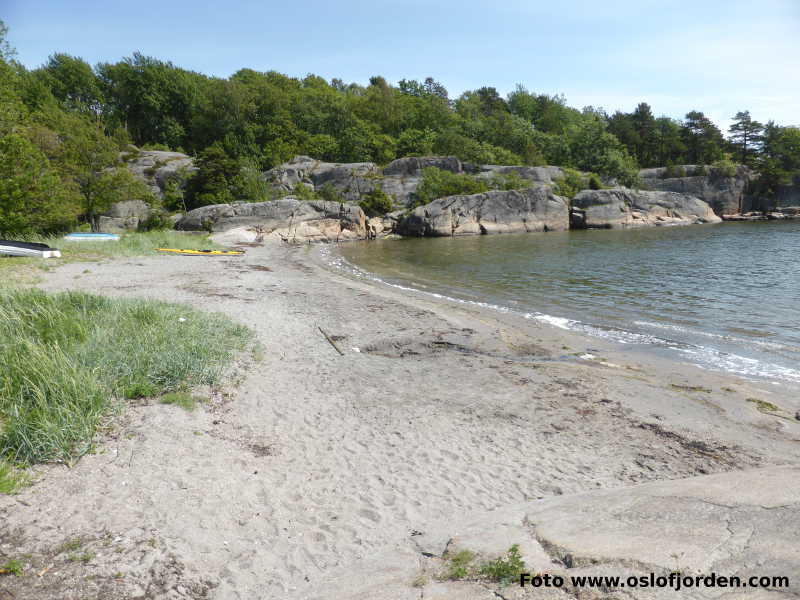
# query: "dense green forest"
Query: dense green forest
63,125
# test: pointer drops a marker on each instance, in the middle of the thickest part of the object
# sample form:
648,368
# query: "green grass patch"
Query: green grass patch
12,567
764,406
185,400
504,569
67,356
11,479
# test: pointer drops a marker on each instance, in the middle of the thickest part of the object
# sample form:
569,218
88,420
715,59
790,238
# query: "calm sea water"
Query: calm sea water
724,296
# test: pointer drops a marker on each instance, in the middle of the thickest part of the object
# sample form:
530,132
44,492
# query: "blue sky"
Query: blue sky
678,55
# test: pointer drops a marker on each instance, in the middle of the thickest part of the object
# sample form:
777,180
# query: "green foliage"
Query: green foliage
32,196
376,202
183,399
459,565
595,183
505,569
301,191
330,193
724,167
570,183
11,479
64,355
75,119
11,567
437,183
673,171
508,181
155,222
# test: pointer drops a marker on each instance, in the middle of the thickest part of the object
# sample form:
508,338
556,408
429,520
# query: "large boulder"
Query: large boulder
288,219
158,167
412,166
124,216
351,180
515,211
725,193
545,174
622,207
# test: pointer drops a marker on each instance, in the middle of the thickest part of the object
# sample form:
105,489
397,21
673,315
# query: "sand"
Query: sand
312,474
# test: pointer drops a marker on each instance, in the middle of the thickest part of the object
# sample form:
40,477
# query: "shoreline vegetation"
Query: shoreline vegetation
71,360
71,134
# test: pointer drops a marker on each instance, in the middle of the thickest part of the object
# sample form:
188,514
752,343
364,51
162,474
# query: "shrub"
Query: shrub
301,191
504,569
376,202
508,181
595,182
155,222
724,167
570,183
330,193
437,183
673,171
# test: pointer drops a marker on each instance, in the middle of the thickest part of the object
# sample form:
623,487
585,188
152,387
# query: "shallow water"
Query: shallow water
722,296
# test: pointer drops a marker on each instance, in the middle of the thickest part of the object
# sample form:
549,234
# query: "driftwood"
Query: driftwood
330,341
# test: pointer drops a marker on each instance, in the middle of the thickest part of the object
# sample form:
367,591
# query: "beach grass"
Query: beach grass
17,270
70,359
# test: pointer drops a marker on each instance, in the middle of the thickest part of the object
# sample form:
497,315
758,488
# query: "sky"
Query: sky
717,56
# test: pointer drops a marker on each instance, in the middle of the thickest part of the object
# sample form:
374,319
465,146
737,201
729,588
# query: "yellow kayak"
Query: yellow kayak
202,252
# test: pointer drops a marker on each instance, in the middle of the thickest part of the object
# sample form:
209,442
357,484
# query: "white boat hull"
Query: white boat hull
31,252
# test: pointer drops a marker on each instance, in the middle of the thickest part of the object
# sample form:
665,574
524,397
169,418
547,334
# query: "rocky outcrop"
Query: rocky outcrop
124,216
622,207
547,174
528,210
157,168
724,193
400,178
288,219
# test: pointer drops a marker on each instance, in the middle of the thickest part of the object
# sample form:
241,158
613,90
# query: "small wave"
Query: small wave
702,356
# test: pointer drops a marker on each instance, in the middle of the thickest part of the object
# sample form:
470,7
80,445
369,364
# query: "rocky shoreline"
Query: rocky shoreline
697,195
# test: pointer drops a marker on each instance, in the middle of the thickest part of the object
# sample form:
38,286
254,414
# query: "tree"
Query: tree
746,135
703,139
72,81
32,196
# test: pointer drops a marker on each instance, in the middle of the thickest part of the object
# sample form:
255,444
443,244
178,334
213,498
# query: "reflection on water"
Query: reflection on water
722,295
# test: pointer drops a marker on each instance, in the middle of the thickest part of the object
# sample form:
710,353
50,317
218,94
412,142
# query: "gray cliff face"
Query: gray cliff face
124,216
547,174
515,211
622,207
725,194
288,218
157,168
399,179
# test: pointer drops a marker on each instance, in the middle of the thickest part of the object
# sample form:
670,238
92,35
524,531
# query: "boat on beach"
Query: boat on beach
30,249
91,237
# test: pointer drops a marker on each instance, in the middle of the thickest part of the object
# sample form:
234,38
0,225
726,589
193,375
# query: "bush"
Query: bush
376,203
570,183
301,191
508,181
155,222
595,182
724,167
330,193
437,183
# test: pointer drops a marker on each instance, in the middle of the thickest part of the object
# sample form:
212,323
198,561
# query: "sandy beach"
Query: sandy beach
316,475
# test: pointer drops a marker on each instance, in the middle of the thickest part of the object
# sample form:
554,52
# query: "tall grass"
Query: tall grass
65,357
